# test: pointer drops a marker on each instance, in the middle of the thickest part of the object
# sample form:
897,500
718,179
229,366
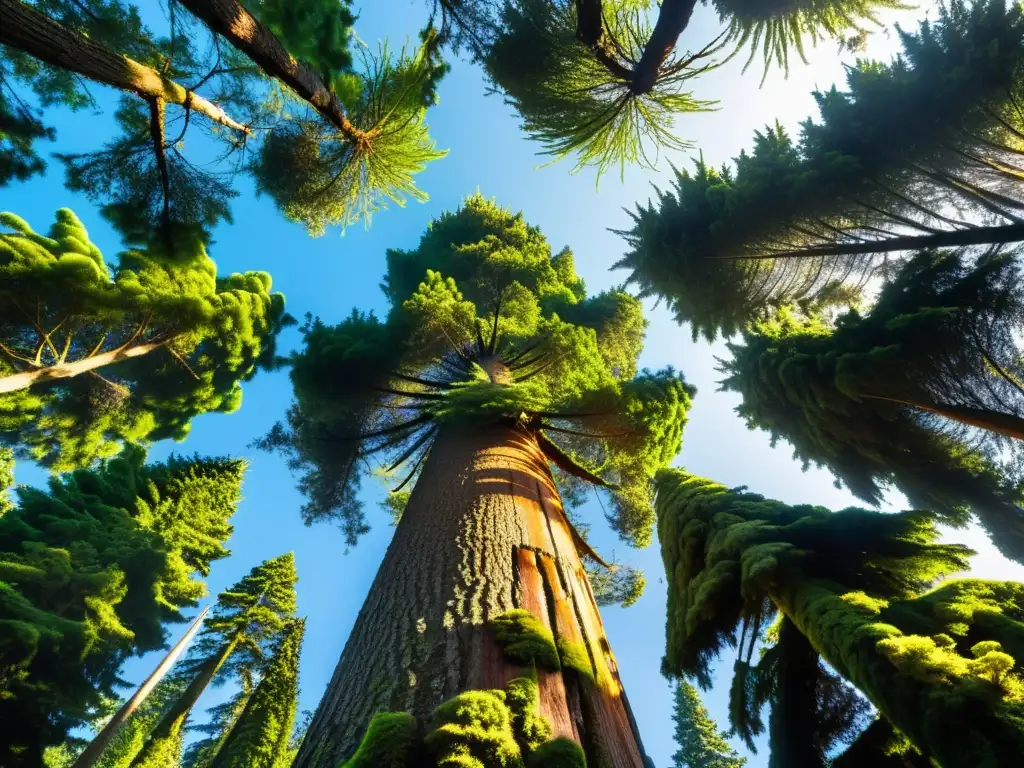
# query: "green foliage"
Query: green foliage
394,504
782,26
207,336
390,742
89,572
486,326
260,736
474,730
129,739
314,31
524,638
852,583
571,102
557,753
321,176
6,478
251,620
923,146
701,745
871,398
619,585
20,128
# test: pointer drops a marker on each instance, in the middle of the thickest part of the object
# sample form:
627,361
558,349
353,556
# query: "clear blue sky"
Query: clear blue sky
331,275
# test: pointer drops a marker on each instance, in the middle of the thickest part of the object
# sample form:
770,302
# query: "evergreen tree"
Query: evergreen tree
261,736
492,365
700,743
89,573
367,141
918,393
855,584
919,153
91,355
598,77
247,620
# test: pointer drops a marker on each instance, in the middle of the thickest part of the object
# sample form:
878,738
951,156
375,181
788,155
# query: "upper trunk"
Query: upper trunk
38,35
483,533
673,18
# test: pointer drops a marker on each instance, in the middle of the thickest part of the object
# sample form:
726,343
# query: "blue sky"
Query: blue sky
331,275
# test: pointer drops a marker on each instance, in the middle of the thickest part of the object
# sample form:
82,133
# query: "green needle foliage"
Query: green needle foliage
323,176
260,737
603,79
249,621
854,584
19,129
486,325
89,573
920,393
68,320
129,739
701,745
921,152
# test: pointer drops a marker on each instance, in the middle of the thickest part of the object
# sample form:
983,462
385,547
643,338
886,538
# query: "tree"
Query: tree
920,153
90,571
359,153
700,743
855,584
598,78
73,330
262,734
491,365
247,620
919,393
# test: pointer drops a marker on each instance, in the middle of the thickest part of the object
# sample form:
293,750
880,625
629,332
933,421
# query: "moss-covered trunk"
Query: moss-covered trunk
483,533
959,721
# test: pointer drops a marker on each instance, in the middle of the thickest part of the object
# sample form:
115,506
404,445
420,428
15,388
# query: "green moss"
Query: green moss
558,753
574,656
390,742
523,699
524,638
474,730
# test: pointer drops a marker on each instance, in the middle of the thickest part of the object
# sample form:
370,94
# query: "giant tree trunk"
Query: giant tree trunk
29,30
483,533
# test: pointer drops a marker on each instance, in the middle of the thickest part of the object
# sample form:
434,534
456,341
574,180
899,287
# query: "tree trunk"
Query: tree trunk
673,18
41,375
174,719
988,734
95,748
1005,424
38,35
483,533
250,36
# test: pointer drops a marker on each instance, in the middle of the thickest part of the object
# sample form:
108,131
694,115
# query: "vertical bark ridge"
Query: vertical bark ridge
484,532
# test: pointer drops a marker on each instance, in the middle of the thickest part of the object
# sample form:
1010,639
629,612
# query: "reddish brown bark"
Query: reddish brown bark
483,533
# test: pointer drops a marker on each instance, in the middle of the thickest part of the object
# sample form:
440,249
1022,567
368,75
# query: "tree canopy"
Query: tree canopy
856,584
93,354
701,745
486,323
336,136
921,152
605,80
89,573
917,394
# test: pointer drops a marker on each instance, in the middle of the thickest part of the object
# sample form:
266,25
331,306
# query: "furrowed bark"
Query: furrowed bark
673,18
38,35
26,379
95,749
483,533
250,36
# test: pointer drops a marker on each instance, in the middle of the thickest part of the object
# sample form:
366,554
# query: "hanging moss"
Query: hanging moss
390,742
474,730
558,753
530,727
574,656
524,638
